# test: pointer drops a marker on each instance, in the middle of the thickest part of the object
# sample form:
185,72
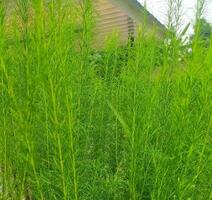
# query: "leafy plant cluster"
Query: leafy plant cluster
130,122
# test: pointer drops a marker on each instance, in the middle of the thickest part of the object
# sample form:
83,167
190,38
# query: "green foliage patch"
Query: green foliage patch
130,122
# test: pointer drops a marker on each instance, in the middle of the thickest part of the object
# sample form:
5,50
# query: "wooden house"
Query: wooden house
124,17
121,16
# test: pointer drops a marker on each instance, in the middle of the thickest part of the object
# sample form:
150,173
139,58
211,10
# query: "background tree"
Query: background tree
203,31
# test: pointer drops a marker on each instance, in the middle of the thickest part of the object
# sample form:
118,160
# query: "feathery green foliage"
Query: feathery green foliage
130,122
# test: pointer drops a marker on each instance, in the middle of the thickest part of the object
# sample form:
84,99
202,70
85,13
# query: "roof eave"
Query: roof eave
142,16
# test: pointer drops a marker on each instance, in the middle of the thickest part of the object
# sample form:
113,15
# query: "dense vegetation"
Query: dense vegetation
123,123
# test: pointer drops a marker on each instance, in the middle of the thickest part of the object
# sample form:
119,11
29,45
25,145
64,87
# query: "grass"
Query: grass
129,122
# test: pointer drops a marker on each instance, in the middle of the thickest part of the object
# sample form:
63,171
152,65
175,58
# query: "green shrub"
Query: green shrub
130,122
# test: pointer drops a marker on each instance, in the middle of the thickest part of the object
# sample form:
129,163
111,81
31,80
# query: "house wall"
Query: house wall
110,18
123,17
120,16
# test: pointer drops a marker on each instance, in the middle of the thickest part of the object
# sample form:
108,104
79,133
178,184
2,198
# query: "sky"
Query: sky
159,9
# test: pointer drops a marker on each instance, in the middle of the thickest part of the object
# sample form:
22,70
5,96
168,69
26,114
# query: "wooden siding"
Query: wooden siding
110,18
120,16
